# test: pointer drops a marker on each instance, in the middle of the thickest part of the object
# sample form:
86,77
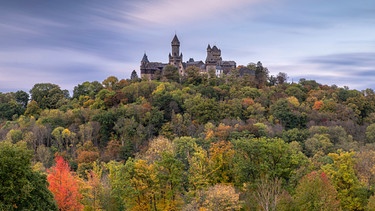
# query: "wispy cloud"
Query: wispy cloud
167,12
356,70
61,66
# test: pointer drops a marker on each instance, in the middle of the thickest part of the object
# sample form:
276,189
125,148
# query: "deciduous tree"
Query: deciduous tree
21,188
64,186
316,192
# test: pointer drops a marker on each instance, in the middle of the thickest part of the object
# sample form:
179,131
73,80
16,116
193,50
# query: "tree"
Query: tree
64,186
261,75
283,111
193,76
87,89
134,76
93,189
134,185
267,192
170,73
47,95
11,109
265,156
341,172
21,188
22,98
169,171
370,133
316,192
220,162
222,197
110,83
32,109
281,78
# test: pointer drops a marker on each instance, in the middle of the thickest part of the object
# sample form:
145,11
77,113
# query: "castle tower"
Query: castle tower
175,58
144,61
145,70
213,58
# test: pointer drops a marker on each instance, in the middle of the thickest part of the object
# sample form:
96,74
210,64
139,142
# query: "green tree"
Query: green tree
87,89
169,172
21,188
289,117
170,73
370,133
316,192
265,156
10,109
351,194
47,95
134,76
110,83
22,98
33,109
261,75
193,75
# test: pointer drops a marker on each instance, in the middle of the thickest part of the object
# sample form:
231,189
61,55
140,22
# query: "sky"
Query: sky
70,42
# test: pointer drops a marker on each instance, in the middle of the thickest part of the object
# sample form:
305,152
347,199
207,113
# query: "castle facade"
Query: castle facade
213,62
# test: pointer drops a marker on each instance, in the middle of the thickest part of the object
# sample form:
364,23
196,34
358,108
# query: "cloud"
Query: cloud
171,12
349,63
61,66
356,70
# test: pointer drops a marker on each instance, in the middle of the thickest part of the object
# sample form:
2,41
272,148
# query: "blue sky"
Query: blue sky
69,42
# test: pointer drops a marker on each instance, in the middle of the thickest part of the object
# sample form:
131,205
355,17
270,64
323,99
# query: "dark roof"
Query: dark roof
215,48
145,59
156,65
175,40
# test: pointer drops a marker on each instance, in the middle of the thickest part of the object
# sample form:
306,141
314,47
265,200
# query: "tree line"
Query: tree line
193,142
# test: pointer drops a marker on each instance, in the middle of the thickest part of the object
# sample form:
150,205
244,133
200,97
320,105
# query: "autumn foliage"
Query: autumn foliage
64,186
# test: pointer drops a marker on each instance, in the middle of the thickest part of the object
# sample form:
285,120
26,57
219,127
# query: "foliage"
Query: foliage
350,192
21,188
316,192
47,95
188,141
64,186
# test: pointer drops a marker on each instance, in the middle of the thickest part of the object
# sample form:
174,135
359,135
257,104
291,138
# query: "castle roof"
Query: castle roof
175,40
208,47
215,48
145,59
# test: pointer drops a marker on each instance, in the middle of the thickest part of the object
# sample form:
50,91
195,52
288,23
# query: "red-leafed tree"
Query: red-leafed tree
64,186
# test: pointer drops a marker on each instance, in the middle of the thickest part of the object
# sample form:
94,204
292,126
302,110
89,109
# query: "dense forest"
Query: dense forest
196,142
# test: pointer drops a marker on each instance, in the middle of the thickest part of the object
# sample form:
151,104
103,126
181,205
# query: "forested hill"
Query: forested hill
251,142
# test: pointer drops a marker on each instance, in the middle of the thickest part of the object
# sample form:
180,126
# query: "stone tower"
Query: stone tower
144,61
213,58
175,58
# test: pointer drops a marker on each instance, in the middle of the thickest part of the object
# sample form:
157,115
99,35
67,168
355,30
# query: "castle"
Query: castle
213,62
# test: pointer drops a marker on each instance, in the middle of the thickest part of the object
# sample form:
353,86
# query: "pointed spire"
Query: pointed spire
208,47
145,59
175,40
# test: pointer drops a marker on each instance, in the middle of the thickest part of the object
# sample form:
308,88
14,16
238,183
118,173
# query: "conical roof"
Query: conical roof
215,48
145,59
175,40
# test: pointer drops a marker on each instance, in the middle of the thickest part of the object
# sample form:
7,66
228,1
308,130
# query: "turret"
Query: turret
175,46
175,41
175,58
144,61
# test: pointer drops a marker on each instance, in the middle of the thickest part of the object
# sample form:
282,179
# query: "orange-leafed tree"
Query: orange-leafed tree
64,186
